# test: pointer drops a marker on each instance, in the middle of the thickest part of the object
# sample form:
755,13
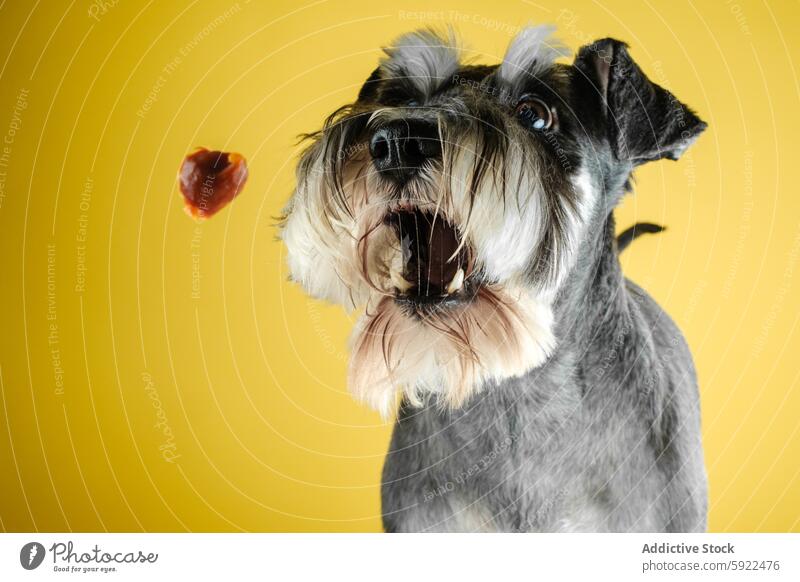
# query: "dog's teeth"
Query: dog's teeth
399,281
457,282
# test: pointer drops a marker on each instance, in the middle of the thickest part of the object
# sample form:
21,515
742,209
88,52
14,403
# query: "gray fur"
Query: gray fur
531,53
424,58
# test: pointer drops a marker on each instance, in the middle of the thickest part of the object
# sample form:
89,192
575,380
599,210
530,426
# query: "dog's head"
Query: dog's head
451,200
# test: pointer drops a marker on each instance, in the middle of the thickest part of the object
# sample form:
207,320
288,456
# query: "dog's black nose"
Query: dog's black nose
400,148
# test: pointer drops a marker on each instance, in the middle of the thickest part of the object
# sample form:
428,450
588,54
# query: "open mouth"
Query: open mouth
433,265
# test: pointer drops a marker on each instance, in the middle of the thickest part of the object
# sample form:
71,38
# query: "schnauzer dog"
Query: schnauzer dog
469,210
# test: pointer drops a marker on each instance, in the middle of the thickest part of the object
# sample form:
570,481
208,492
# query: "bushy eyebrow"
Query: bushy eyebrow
531,54
422,60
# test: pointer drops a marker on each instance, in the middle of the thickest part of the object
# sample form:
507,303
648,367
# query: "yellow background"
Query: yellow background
243,371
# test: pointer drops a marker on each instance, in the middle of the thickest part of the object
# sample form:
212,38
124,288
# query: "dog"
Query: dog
468,210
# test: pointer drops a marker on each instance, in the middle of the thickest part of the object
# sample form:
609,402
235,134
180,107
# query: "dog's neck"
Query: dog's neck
594,292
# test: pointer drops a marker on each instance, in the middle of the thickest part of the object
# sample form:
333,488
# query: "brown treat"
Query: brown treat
209,180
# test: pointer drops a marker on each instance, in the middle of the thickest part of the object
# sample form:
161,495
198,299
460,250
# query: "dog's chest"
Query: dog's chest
531,457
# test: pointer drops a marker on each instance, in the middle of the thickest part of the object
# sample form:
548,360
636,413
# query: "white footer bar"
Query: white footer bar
411,557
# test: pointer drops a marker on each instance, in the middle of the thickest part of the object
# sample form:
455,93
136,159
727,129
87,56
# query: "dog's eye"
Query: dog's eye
534,113
412,103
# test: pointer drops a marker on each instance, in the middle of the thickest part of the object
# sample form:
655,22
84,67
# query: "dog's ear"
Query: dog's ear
644,121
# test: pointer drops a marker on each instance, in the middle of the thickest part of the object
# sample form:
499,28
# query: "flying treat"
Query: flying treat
209,180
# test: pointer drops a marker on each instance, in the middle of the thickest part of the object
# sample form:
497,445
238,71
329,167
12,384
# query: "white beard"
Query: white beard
452,353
